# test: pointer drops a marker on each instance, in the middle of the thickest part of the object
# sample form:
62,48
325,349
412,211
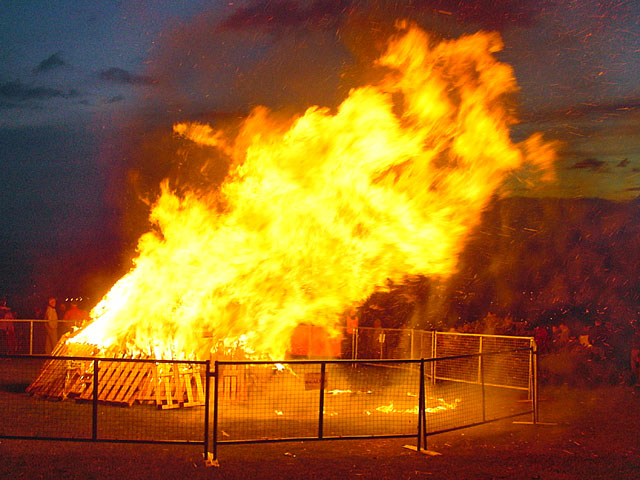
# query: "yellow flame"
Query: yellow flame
321,210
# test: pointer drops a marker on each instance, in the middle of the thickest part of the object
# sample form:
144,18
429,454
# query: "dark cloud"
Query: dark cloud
589,164
633,189
16,90
119,75
54,61
623,163
322,14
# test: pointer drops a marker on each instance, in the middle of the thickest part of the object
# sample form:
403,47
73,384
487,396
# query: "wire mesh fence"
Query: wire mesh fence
84,398
297,400
472,380
370,343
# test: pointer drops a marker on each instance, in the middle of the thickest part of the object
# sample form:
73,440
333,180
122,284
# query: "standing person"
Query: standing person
6,328
75,314
51,315
61,308
380,337
350,340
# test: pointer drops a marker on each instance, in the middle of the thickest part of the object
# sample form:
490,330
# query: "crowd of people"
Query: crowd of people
58,318
585,350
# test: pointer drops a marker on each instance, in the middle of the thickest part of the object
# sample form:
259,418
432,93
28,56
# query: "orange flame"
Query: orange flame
321,210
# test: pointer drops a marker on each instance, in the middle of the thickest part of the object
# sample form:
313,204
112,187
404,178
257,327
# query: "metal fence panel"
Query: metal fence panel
365,399
38,416
53,397
180,417
513,370
374,398
423,343
460,403
451,404
510,371
267,401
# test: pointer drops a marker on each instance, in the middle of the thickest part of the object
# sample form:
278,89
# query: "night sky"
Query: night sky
89,91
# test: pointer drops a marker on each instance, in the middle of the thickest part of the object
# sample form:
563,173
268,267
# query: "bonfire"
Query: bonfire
320,210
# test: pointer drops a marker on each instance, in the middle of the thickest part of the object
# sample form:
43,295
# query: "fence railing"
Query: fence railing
255,401
21,336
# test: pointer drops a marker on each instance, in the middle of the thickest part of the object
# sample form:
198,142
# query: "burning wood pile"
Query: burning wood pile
123,383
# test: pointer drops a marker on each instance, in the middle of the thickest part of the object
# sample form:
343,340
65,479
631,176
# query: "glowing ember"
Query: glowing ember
441,406
319,211
338,392
342,392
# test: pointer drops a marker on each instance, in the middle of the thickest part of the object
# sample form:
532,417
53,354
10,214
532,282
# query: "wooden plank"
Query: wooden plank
178,379
147,389
168,396
123,381
112,374
199,389
102,372
158,387
41,380
134,379
55,386
73,377
188,377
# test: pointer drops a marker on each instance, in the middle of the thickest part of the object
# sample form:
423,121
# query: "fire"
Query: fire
320,210
440,405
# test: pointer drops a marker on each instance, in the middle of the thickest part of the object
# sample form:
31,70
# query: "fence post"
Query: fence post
484,400
534,353
207,397
321,412
216,376
94,416
356,333
530,391
422,427
31,337
434,354
411,340
480,360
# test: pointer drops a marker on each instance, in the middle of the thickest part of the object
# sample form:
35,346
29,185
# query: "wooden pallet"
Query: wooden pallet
167,385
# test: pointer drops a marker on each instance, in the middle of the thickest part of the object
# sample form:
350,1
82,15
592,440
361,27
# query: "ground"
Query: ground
585,434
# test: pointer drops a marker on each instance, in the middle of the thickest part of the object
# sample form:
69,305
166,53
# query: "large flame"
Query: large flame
320,210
